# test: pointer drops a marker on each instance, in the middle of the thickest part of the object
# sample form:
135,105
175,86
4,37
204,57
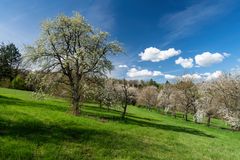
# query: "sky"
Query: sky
162,40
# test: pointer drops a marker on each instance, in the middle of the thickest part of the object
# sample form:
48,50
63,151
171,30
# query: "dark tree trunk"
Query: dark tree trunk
186,116
149,108
208,121
75,107
75,101
174,114
124,111
100,104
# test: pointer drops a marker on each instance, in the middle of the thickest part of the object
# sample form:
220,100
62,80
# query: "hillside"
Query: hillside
33,129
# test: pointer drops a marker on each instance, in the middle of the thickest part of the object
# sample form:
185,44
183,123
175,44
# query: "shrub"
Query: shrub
18,83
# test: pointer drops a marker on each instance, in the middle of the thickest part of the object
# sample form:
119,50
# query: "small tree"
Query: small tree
188,94
164,97
126,95
110,94
148,97
227,92
70,46
207,104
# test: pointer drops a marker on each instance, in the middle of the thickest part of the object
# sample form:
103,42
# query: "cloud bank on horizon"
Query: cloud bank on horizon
153,55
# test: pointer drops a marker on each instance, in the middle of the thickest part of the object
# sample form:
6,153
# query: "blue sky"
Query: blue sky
162,39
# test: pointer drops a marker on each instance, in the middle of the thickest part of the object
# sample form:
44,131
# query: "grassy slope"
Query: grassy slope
31,129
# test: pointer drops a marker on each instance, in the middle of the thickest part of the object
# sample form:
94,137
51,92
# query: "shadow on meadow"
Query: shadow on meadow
77,135
112,144
4,101
103,115
89,110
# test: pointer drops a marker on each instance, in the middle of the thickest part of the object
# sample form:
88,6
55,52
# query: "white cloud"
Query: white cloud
170,77
135,73
194,76
206,58
155,55
226,54
235,70
204,76
122,66
214,75
157,73
185,62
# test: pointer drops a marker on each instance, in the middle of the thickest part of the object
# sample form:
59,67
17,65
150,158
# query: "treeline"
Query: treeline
219,98
12,75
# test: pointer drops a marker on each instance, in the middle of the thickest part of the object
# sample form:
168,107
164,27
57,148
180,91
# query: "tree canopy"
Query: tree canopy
10,59
71,46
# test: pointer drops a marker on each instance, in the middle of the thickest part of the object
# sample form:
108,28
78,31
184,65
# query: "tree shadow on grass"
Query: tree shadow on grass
112,144
144,122
104,114
167,127
111,114
5,101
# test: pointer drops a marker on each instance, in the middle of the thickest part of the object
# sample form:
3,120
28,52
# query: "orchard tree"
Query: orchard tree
148,97
189,94
207,104
175,101
72,47
10,59
126,95
227,92
164,97
110,94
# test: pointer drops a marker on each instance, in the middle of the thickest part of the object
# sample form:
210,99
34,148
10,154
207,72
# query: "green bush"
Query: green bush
18,83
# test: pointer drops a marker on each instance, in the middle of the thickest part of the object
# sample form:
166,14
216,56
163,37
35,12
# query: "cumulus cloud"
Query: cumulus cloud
170,77
204,76
122,66
135,73
185,62
155,55
206,58
214,75
226,54
194,76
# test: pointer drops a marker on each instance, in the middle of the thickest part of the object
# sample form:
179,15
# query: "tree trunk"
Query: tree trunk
174,114
75,101
208,121
124,111
195,119
75,107
100,104
186,116
149,108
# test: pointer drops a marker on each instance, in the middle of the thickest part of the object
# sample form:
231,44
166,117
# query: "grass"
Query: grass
34,129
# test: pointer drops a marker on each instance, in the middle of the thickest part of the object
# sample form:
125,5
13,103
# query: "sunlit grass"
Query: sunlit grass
34,129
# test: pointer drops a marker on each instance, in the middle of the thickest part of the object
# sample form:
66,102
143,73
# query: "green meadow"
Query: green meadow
44,129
